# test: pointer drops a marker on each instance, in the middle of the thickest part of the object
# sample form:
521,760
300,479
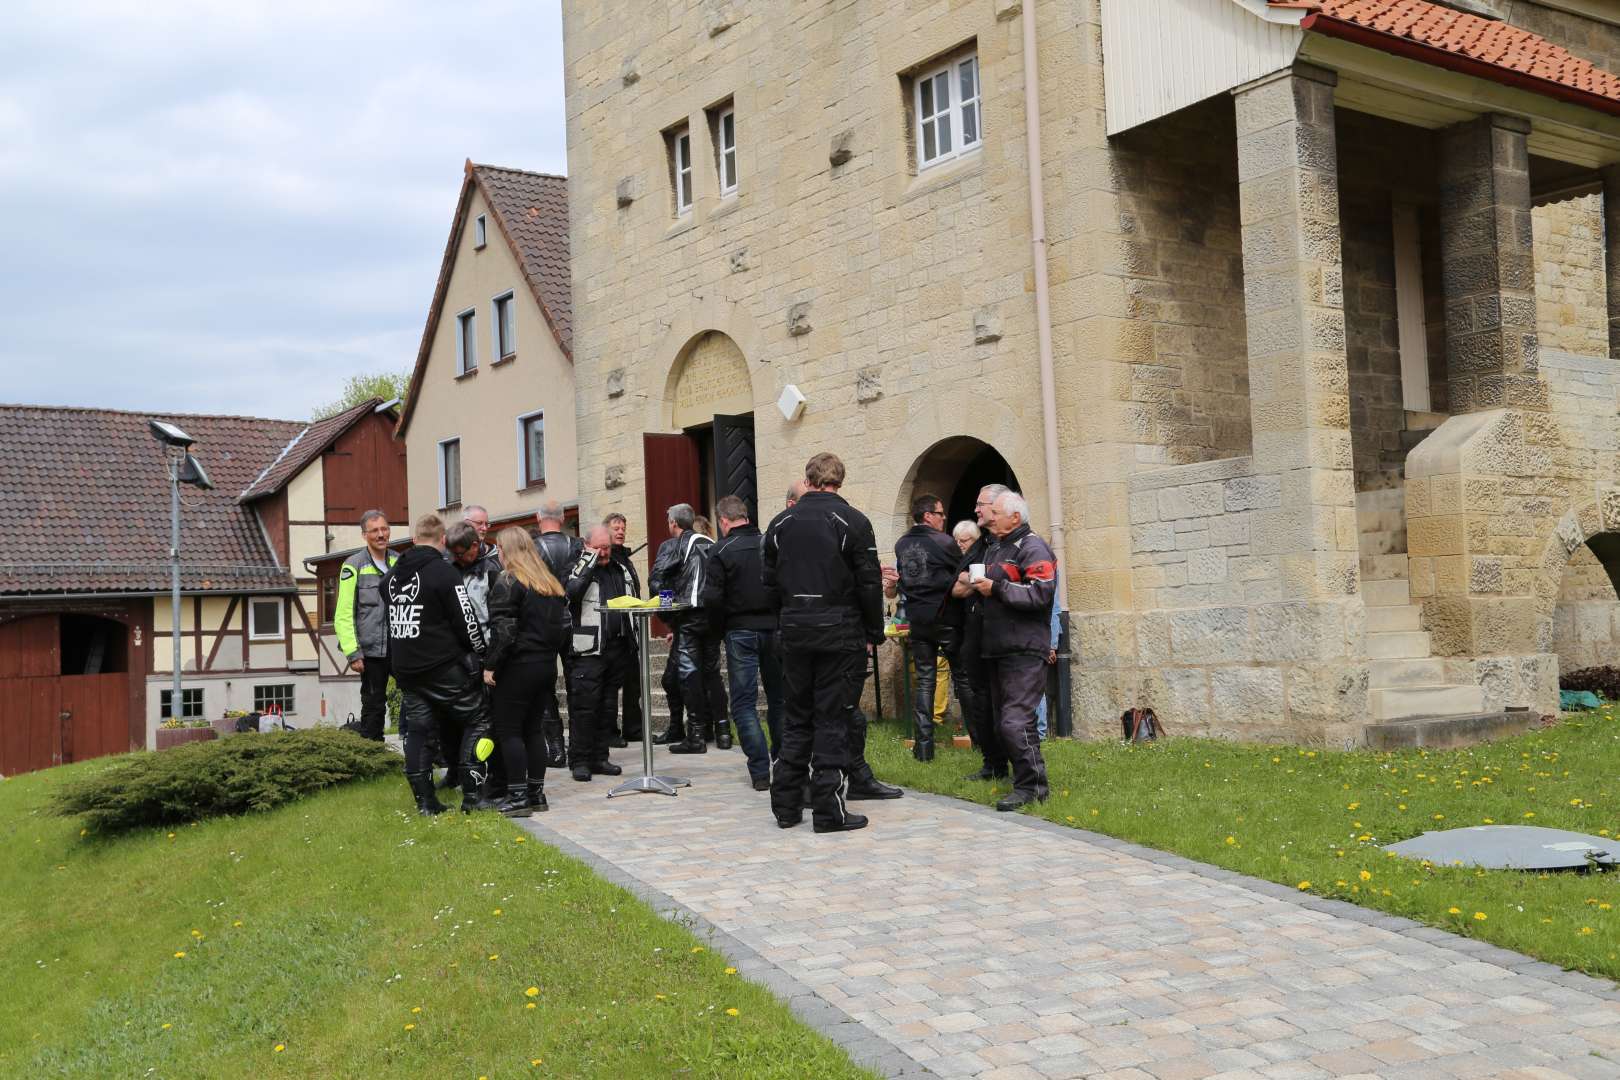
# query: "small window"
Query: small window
726,148
946,101
264,619
277,696
466,342
329,593
450,473
505,331
532,448
1412,330
680,166
480,231
191,704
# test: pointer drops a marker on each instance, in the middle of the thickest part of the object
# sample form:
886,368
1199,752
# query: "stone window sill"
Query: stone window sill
469,373
942,176
507,359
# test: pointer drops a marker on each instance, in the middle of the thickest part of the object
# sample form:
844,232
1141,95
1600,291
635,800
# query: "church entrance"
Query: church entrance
955,469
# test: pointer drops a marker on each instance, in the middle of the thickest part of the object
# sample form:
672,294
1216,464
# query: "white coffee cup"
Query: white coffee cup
976,571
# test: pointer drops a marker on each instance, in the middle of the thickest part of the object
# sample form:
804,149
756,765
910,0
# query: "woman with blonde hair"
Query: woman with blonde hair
529,628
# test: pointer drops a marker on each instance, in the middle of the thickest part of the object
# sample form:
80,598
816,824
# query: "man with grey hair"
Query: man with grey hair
976,710
1017,587
681,568
478,517
361,621
560,552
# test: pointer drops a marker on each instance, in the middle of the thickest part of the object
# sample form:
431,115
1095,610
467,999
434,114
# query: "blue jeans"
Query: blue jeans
751,656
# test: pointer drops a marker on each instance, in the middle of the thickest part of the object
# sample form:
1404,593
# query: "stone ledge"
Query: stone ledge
1568,361
1198,472
1443,732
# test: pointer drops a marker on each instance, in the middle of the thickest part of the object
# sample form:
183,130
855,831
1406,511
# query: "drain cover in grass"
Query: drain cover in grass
1509,847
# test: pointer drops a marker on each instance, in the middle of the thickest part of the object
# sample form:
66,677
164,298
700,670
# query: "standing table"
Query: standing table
641,619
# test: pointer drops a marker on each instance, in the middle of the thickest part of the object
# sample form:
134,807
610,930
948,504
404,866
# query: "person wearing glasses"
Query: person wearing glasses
926,559
969,660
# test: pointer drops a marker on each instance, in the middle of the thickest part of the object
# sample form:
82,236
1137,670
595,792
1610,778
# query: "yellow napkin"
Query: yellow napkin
631,602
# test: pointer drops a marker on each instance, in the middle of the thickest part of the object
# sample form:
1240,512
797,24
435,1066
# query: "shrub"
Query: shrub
1602,681
224,776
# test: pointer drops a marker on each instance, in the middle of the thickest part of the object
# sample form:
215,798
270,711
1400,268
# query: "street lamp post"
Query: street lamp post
183,469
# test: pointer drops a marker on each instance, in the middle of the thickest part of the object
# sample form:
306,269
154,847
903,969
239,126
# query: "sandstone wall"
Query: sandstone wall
1571,281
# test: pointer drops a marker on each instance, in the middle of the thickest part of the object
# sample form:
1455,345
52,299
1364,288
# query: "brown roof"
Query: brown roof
531,212
1488,48
84,503
306,446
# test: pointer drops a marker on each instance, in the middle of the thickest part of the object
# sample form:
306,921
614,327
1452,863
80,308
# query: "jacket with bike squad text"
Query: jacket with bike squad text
1018,612
431,622
820,569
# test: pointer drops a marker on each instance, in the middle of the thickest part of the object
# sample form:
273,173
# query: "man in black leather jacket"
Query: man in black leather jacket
735,595
821,570
926,558
696,648
978,713
559,551
432,628
601,642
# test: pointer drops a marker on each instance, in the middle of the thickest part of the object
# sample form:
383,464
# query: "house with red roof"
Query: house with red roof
86,622
489,416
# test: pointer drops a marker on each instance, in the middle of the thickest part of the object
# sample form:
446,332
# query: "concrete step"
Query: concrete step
1401,702
1383,567
1381,619
1391,592
1409,644
1425,672
1446,732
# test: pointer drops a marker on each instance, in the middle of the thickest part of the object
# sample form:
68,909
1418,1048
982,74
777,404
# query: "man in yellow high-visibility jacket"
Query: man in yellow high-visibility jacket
361,621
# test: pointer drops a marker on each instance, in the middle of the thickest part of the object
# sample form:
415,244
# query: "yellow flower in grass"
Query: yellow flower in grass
529,1005
280,1047
1480,916
166,1027
1366,875
733,971
533,991
415,1009
180,955
697,948
536,1061
410,1027
732,1012
238,923
1586,929
494,956
497,911
1353,806
1303,886
1450,910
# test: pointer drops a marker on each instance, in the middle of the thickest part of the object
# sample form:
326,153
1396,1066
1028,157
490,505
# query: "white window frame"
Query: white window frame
444,503
953,112
680,149
185,692
1410,309
258,633
500,334
524,479
726,156
290,709
480,231
466,331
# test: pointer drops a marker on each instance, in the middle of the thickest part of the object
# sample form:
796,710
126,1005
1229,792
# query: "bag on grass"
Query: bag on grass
1140,725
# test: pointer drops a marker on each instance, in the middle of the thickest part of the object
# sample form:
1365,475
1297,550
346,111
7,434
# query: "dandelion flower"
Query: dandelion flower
533,991
1231,839
733,971
1479,916
697,948
1450,910
497,911
166,1027
536,1061
180,955
280,1047
529,1005
1366,875
732,1012
238,922
1353,806
494,956
416,1009
660,997
1586,929
1303,886
410,1027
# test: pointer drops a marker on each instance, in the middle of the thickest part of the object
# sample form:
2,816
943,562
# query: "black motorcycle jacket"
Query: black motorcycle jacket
559,550
820,569
734,592
1018,611
431,622
927,559
524,625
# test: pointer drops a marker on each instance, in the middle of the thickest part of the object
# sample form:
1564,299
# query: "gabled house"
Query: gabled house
85,615
489,416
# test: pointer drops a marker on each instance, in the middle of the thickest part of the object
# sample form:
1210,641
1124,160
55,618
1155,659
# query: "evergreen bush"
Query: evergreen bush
223,776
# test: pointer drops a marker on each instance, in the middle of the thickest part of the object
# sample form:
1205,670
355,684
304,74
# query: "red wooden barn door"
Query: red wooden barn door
94,711
30,713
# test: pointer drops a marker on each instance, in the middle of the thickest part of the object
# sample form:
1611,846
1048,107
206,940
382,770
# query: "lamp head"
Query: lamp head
168,434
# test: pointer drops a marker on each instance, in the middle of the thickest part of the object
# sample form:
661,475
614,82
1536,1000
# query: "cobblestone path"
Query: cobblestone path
948,940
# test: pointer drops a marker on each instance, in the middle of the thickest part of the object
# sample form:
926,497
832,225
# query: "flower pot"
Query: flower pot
170,737
225,727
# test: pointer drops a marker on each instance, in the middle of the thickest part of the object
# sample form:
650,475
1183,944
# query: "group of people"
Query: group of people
473,632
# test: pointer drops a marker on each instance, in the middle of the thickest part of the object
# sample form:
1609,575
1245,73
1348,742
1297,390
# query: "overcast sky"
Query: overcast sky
232,206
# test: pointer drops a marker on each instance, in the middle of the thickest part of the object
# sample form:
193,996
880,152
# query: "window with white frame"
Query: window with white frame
466,342
191,704
946,102
505,328
480,231
264,618
725,146
680,168
449,473
275,696
531,433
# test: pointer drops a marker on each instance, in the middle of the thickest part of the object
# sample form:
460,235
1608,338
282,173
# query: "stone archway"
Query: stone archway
1593,525
953,470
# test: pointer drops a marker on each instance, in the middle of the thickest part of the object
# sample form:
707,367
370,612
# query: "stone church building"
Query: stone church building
1298,338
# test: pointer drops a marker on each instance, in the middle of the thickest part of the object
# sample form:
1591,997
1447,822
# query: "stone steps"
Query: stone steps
1387,592
1429,671
1444,732
1386,619
1402,702
1398,645
1383,567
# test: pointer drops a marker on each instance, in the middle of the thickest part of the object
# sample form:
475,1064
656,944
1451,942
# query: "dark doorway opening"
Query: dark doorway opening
986,467
91,645
953,470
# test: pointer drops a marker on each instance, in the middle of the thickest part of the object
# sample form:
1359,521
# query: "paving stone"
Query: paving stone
947,940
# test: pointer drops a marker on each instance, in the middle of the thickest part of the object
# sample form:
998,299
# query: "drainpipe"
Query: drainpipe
1043,299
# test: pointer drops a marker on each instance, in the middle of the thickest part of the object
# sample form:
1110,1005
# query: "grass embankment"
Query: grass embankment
343,936
1316,820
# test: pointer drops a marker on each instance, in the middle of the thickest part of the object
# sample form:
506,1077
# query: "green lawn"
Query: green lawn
1316,819
344,936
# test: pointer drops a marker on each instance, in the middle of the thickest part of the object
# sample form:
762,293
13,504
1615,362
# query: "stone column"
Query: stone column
1293,284
1611,252
1489,266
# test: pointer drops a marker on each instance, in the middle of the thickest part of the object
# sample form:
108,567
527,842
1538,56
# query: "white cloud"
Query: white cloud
235,207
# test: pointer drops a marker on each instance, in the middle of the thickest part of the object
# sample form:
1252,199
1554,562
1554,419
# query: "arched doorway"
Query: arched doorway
1586,618
955,469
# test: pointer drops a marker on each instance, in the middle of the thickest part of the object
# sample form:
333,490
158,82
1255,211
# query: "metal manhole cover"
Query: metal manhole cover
1510,847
